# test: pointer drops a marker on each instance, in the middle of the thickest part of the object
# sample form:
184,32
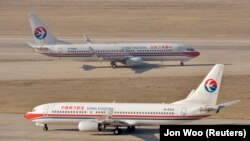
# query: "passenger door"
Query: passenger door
183,111
45,110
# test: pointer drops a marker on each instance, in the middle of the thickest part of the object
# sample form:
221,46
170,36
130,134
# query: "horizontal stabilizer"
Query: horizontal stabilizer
228,103
223,105
32,45
218,107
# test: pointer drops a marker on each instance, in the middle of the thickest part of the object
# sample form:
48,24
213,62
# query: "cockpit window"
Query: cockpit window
190,49
33,110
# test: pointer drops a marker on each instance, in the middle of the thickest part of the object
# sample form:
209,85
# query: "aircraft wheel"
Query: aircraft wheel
113,65
132,128
129,129
117,131
182,63
45,128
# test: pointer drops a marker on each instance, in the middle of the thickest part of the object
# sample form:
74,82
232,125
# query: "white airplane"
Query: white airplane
130,54
199,104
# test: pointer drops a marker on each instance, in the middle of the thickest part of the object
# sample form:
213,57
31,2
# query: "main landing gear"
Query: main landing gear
118,131
131,128
113,64
45,127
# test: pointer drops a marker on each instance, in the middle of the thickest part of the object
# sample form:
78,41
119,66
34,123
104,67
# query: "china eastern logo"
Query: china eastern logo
210,85
40,33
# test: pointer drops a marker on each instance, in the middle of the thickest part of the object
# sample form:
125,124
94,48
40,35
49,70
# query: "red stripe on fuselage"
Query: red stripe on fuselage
31,116
192,54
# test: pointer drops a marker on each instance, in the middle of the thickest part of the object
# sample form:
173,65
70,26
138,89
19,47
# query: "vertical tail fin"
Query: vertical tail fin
41,34
207,92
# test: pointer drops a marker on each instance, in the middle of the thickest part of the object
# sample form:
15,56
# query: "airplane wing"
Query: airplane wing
126,58
95,54
98,57
114,122
107,119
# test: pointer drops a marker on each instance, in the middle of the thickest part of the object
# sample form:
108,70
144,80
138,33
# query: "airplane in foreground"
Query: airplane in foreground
129,54
199,104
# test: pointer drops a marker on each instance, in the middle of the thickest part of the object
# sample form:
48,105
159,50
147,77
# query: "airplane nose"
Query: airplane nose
27,115
197,53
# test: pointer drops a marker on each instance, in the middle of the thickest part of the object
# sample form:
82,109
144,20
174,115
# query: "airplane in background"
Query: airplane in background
199,104
129,54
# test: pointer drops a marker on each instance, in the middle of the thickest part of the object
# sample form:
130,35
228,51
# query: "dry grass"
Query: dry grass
21,95
193,18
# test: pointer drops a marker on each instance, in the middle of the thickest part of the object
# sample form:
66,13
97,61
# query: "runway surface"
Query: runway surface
16,59
218,29
24,74
15,127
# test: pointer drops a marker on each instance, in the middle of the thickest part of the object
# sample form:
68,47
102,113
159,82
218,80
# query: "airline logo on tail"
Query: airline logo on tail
40,33
210,85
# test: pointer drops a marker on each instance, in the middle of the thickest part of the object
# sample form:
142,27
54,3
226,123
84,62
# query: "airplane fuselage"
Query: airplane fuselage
129,54
200,103
119,52
133,114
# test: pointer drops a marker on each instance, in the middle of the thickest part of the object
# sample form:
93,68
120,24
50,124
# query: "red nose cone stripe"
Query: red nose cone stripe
193,54
31,116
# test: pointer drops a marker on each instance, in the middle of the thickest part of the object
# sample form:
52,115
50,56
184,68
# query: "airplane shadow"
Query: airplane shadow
145,134
145,67
141,133
89,67
69,130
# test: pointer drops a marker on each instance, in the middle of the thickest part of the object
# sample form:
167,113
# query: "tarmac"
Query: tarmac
19,59
16,127
218,29
16,59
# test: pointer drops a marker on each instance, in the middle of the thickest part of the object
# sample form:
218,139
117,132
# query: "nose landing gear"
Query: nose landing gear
45,128
182,63
113,64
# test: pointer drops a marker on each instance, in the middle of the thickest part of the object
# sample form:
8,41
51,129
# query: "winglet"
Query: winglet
87,39
107,115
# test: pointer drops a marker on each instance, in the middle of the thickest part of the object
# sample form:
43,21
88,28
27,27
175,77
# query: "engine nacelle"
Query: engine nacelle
88,126
133,61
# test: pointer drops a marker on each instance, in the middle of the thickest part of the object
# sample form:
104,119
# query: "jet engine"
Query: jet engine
88,126
133,61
